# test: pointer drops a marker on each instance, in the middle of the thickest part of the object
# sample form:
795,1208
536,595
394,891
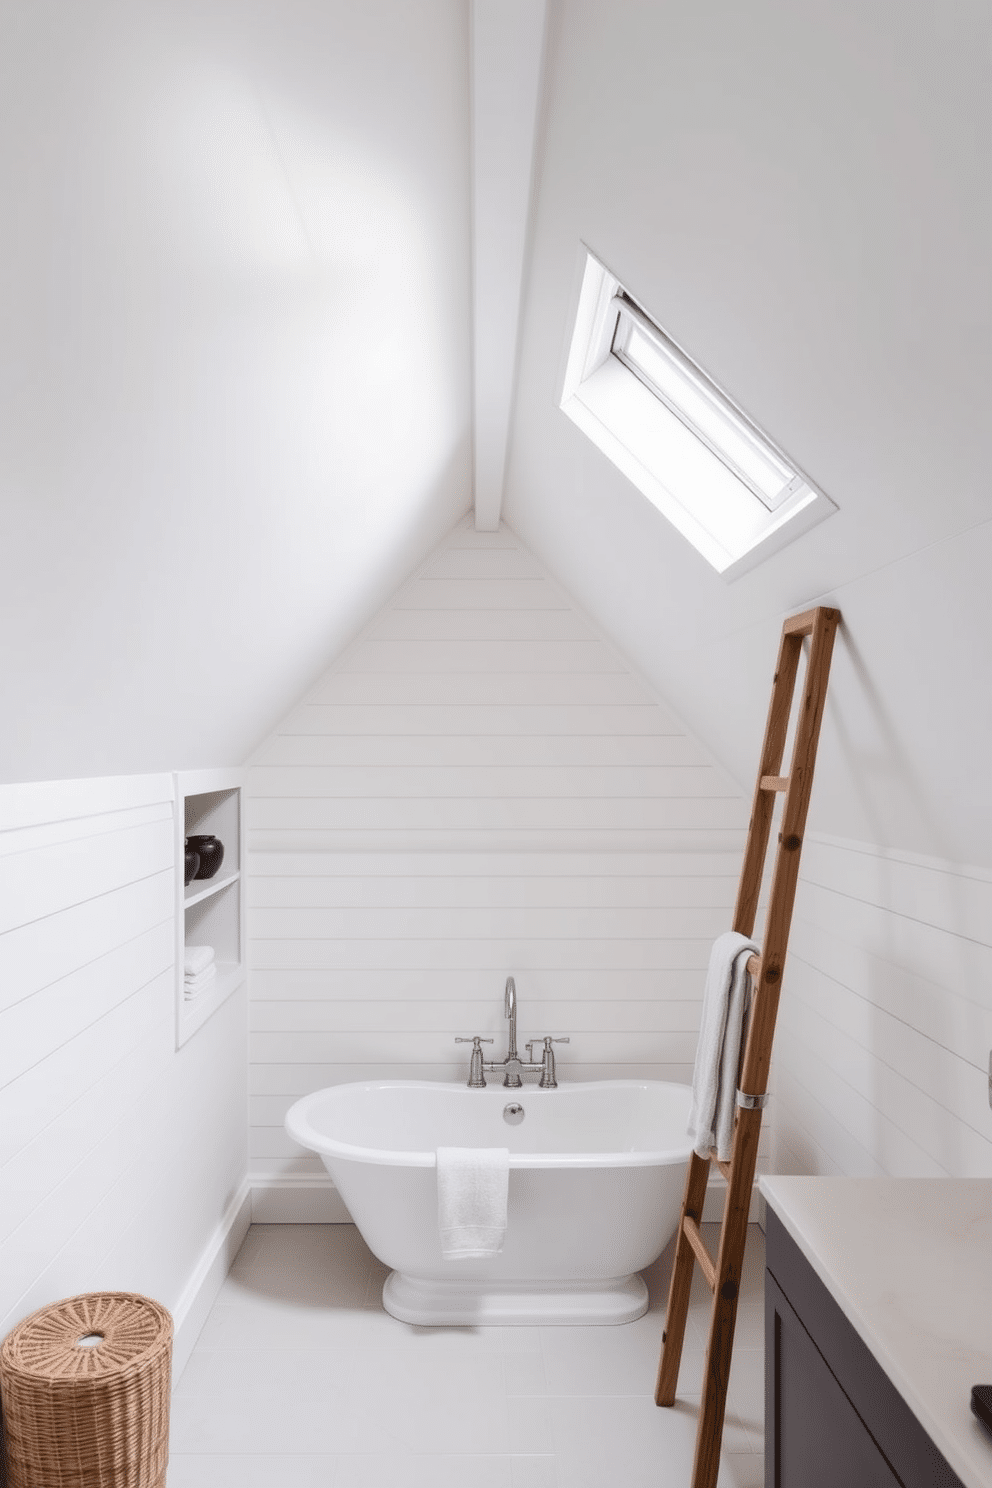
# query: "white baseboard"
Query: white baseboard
200,1292
716,1195
296,1201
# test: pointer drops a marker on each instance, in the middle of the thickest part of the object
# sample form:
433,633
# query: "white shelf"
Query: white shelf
202,888
209,911
196,1010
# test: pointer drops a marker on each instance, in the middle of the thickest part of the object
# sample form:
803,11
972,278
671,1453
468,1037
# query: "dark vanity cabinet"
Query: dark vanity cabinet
833,1418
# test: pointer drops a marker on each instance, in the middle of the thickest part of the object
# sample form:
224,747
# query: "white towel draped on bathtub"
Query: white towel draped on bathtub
714,1079
472,1185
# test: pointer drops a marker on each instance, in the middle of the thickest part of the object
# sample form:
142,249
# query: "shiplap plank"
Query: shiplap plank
533,839
36,803
36,1026
494,814
413,1047
55,834
409,983
517,689
495,865
495,782
480,721
398,1016
35,955
270,1169
448,893
509,562
450,657
608,956
468,751
40,882
482,593
525,923
498,624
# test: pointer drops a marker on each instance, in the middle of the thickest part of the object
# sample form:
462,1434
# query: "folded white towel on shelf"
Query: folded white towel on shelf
197,958
472,1184
194,984
726,1002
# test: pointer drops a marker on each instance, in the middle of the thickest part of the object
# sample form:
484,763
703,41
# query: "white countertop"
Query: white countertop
909,1262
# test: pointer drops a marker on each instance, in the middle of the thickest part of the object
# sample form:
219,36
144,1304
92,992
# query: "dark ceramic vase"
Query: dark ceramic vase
192,863
211,851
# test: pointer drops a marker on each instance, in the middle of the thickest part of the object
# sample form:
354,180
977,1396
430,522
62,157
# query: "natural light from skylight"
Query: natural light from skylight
677,436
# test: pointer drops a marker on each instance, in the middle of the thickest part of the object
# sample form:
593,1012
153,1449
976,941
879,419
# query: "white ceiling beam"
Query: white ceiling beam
507,51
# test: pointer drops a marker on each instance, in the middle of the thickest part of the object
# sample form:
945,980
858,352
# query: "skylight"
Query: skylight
677,436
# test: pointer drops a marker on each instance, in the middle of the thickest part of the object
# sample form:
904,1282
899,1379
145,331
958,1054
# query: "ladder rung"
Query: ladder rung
774,782
753,966
706,1262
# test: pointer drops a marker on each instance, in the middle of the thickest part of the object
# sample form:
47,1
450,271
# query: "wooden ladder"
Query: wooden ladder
724,1273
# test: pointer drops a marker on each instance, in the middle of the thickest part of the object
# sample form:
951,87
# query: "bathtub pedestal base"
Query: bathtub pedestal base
437,1303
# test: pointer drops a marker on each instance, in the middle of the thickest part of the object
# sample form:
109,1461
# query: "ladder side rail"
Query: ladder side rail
785,878
723,1320
680,1286
763,804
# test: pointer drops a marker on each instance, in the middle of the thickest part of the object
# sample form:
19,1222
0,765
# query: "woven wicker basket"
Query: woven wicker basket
85,1391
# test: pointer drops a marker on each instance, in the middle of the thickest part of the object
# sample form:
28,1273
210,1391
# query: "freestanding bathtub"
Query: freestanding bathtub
597,1173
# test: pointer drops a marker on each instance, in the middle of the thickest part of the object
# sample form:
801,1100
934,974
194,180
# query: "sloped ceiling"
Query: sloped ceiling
236,366
800,195
235,357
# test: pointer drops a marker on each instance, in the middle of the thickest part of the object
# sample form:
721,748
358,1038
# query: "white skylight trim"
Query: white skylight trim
677,436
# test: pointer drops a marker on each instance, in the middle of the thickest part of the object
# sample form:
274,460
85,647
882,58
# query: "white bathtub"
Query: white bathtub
597,1173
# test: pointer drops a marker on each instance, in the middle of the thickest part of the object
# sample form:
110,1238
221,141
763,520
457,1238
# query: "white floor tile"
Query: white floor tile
240,1471
623,1439
533,1472
741,1470
301,1380
426,1471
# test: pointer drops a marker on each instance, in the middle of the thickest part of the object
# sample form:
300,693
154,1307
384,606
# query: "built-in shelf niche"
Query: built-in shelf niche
209,911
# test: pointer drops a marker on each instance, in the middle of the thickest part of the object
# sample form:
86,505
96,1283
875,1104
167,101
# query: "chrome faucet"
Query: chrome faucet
510,1011
512,1067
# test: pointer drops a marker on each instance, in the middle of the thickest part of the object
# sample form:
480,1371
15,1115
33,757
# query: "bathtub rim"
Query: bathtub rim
298,1126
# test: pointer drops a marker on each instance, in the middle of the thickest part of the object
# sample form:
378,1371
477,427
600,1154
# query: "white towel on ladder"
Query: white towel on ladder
714,1080
472,1185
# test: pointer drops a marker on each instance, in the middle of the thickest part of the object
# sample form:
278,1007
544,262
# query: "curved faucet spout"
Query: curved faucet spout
511,1013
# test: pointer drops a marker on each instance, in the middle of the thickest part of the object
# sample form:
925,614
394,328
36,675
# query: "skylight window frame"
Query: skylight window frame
705,494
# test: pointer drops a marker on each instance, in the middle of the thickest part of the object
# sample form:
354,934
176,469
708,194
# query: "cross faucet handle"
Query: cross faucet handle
475,1040
547,1041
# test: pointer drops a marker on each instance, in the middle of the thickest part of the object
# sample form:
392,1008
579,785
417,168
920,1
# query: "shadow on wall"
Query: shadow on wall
879,774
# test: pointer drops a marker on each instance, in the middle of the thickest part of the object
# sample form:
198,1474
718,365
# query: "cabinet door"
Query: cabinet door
816,1437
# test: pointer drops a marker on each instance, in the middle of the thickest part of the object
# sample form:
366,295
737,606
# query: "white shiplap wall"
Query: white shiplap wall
480,786
120,1158
885,1027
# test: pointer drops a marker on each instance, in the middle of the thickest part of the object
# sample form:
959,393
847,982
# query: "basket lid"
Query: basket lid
97,1333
